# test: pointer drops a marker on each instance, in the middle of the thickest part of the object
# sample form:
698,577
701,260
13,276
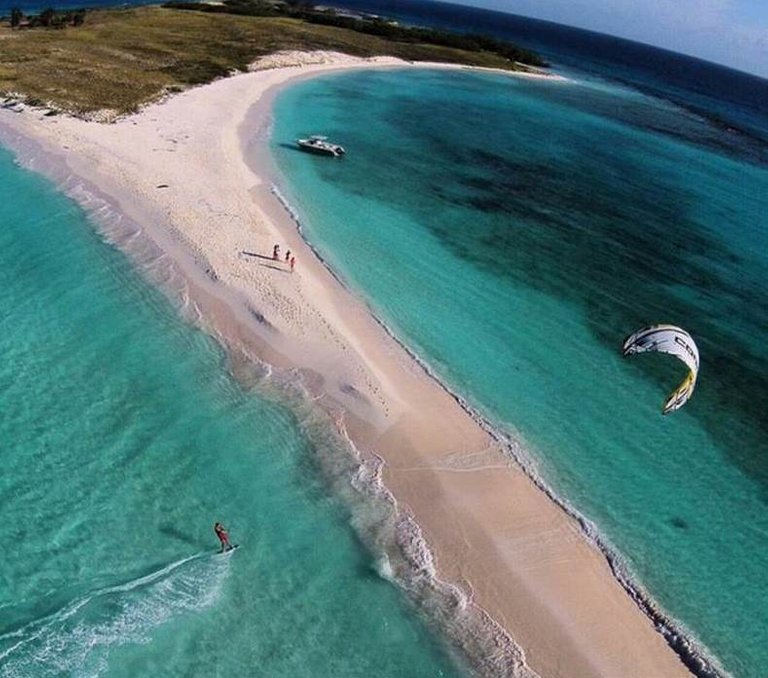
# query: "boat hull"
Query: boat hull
318,151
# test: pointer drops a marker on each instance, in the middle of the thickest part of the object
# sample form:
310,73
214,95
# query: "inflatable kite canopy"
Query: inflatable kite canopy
674,341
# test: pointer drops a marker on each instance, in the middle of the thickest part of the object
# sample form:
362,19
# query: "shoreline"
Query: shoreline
525,562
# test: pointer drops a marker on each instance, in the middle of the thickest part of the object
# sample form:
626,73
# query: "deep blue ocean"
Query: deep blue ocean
35,6
511,232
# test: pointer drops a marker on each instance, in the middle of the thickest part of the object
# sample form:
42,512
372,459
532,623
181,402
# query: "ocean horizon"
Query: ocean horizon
542,221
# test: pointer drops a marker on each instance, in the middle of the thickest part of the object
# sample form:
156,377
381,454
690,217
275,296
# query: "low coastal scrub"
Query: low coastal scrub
121,59
48,18
370,25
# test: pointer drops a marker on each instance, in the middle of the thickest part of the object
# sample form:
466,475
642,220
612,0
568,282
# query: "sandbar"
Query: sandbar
519,564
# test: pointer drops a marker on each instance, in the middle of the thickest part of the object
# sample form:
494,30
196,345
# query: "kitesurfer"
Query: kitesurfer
221,533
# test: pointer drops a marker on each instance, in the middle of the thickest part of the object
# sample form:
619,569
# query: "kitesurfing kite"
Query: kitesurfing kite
674,341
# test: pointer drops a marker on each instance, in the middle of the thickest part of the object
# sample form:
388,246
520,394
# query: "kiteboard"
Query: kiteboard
223,553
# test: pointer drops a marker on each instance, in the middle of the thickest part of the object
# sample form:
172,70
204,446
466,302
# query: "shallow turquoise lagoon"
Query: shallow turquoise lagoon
513,232
123,439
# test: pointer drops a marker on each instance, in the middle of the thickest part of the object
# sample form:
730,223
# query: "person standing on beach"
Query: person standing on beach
276,252
293,263
287,256
221,533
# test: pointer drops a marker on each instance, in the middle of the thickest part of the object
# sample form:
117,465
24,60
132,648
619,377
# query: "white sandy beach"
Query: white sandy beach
178,169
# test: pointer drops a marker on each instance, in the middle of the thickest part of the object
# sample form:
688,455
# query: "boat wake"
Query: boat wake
77,638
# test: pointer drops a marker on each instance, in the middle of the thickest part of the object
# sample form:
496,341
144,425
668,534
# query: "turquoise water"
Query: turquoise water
123,439
513,232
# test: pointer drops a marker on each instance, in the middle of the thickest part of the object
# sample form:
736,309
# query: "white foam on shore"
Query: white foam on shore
401,554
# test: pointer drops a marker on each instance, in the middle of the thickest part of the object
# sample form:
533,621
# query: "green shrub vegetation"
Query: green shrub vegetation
377,26
120,59
48,18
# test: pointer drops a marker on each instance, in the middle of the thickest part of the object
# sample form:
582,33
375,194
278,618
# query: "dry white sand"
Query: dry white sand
178,169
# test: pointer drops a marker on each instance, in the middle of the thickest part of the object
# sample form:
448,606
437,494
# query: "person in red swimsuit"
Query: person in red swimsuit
221,533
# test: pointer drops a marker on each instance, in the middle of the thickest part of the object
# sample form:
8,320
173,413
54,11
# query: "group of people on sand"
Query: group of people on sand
289,258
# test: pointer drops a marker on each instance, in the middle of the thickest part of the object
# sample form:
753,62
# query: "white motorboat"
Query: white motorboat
321,146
